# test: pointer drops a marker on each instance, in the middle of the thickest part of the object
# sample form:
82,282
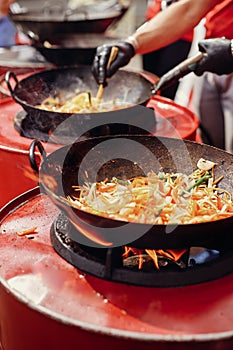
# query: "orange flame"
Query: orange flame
174,255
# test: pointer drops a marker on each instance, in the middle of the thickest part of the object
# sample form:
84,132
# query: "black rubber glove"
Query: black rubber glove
99,67
219,58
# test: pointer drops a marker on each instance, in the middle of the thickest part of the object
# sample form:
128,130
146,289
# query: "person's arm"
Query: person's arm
165,28
170,25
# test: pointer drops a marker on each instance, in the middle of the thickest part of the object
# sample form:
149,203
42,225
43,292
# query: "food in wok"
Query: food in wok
83,102
158,198
127,157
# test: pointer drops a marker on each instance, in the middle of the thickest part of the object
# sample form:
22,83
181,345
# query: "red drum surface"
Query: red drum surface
46,303
14,151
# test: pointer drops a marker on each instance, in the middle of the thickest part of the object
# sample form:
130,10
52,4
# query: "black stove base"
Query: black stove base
203,265
59,132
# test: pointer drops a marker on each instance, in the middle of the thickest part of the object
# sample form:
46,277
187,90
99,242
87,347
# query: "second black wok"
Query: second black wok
48,18
125,157
127,87
70,49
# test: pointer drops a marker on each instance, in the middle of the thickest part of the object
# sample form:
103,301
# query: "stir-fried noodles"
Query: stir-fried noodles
81,103
161,198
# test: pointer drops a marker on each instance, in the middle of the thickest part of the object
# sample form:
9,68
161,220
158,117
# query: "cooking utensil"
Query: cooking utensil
127,86
125,157
112,57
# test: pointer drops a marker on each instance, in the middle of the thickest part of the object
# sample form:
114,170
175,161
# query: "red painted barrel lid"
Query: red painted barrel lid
173,120
32,269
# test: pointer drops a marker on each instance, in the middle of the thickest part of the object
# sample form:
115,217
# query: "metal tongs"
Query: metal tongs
179,71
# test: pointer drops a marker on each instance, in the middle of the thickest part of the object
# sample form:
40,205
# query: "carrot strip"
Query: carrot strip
29,231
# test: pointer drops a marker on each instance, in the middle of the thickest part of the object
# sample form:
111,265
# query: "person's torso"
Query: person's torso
219,21
7,32
160,5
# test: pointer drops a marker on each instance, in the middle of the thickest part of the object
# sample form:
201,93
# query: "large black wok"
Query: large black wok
48,18
125,157
68,82
126,86
71,49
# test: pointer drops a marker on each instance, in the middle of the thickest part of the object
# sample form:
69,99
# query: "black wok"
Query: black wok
48,18
126,86
68,82
125,157
70,49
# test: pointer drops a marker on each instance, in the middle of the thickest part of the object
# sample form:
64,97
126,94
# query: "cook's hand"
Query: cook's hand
219,58
99,67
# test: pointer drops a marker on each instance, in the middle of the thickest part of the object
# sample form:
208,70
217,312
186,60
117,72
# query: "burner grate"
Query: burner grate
200,265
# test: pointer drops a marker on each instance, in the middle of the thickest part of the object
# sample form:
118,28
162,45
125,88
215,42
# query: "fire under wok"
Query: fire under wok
125,157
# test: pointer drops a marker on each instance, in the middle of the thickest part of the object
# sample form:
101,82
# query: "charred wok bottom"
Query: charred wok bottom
46,129
195,264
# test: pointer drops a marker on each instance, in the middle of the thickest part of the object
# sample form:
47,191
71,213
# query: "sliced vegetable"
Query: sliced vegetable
163,198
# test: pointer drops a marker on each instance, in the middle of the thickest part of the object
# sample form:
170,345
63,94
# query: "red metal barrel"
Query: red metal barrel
45,303
23,60
14,159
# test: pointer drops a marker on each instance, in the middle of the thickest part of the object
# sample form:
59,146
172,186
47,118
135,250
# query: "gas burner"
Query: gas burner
195,265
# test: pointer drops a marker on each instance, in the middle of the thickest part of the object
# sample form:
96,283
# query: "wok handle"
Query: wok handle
32,154
8,77
182,69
